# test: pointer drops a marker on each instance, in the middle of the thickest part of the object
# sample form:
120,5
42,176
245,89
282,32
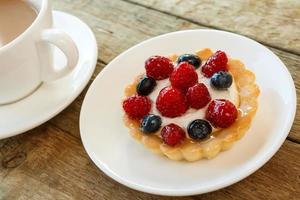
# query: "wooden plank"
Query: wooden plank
276,23
118,25
55,166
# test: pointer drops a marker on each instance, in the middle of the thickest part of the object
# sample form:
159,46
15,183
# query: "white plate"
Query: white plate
115,152
52,98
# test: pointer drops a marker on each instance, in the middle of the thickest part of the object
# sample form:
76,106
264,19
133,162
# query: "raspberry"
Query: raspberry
158,67
221,113
215,63
184,76
172,134
136,107
171,102
198,96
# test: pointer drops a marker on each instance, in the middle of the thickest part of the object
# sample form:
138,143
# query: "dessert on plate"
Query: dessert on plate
191,106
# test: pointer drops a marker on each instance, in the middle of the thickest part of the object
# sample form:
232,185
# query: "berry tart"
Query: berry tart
191,106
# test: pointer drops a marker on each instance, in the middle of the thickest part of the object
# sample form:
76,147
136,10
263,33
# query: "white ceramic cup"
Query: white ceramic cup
27,61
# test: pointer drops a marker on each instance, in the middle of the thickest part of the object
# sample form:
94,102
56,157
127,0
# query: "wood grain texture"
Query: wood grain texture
118,25
57,167
49,162
273,22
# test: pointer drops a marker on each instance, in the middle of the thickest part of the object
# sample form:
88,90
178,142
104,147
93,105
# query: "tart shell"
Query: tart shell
219,141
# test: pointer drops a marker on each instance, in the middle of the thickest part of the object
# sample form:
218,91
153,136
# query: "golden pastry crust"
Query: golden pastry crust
219,141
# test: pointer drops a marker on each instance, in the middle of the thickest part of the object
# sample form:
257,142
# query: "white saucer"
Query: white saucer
52,98
117,154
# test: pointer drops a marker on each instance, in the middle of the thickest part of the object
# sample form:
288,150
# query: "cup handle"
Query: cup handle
64,42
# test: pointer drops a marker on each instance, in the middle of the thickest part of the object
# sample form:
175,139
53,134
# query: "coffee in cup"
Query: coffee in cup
15,17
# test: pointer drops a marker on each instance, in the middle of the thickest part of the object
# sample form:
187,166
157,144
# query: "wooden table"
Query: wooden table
49,162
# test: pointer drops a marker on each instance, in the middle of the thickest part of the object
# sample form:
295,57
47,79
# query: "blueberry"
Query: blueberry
221,80
199,129
145,86
191,59
150,123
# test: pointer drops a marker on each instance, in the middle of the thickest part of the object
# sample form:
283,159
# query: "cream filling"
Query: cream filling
191,114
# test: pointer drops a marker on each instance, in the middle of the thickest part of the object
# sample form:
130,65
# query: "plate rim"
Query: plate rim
185,192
